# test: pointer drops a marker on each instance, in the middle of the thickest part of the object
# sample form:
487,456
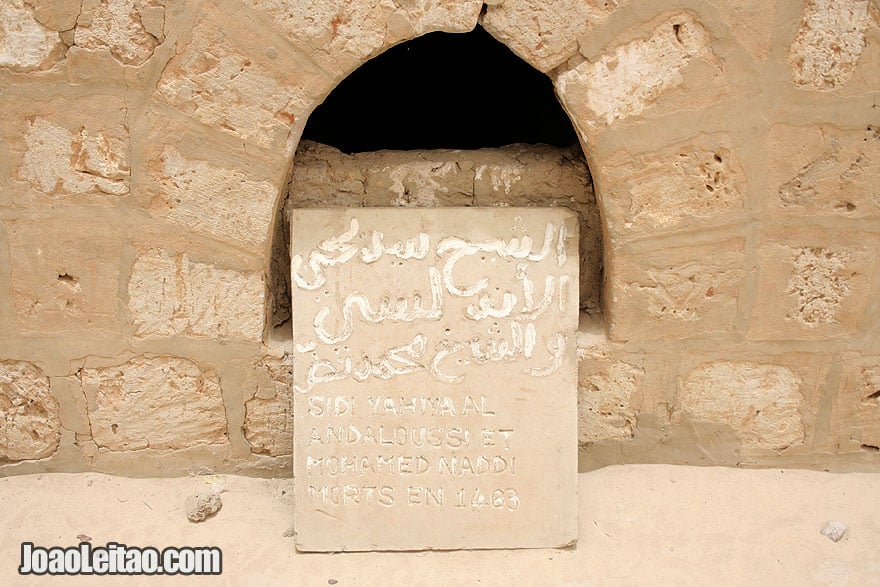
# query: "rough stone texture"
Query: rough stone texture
173,296
268,422
685,187
127,28
25,44
830,41
813,285
64,279
546,33
834,530
215,201
856,416
605,397
759,401
59,161
516,175
201,506
676,293
154,402
780,259
623,82
29,424
426,181
825,170
237,90
340,35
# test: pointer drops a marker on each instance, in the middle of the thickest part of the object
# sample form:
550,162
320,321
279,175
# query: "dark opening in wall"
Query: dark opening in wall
441,120
442,91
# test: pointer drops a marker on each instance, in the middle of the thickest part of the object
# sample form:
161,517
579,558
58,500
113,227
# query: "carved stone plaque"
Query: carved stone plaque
435,393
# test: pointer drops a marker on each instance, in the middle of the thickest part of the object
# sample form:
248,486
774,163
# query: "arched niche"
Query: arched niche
441,120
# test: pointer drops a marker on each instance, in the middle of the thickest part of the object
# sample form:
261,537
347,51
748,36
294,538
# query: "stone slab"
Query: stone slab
435,378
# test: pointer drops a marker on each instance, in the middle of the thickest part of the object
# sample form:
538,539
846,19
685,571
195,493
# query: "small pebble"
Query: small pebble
332,581
200,506
834,530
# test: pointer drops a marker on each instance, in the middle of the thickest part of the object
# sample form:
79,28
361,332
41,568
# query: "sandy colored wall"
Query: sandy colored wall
146,150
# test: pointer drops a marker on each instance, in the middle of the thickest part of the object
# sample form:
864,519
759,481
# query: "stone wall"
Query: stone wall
146,147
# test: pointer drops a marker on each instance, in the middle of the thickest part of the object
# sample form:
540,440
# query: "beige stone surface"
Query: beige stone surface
113,110
57,161
25,43
169,295
58,15
268,423
340,35
63,279
121,26
760,401
824,170
856,415
677,292
688,186
545,34
225,81
642,525
29,424
215,201
437,410
606,409
153,402
830,41
813,291
623,82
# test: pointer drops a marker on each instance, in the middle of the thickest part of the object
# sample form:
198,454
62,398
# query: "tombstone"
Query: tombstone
435,393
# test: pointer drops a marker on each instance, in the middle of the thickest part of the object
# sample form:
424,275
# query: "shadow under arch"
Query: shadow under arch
444,96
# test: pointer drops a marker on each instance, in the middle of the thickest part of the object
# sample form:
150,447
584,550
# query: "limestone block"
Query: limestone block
830,42
759,401
325,176
814,284
684,187
545,34
824,170
65,272
211,200
606,387
30,427
677,292
173,296
855,423
425,16
642,74
432,179
58,15
225,81
118,26
268,421
25,44
60,160
340,35
154,402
